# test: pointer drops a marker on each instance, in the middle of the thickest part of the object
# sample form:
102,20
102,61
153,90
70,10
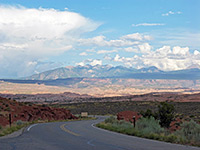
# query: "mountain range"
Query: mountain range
107,71
105,80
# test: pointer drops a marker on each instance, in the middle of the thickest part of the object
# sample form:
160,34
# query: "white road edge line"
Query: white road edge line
89,143
112,132
28,129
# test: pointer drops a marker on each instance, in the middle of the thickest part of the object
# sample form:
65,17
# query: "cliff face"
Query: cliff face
30,112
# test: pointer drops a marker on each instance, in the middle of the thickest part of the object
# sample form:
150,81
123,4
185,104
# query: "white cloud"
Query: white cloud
148,24
117,58
126,40
106,51
96,62
83,54
92,62
196,52
180,51
163,58
171,13
145,48
131,49
80,64
136,37
36,34
142,48
106,57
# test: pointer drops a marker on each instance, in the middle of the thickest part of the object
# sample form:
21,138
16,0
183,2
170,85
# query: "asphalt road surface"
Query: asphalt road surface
81,135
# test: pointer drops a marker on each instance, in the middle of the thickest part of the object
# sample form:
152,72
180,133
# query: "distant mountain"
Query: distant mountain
151,69
82,71
194,66
107,71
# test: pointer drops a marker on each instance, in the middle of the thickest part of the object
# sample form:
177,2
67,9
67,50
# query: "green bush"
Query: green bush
150,128
190,131
19,122
111,120
165,114
171,138
147,114
149,125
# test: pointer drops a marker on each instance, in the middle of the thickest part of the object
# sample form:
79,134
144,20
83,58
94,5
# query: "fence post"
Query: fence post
134,121
10,120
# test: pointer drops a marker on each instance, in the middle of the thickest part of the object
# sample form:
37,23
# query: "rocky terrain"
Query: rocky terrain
48,98
30,112
65,98
99,87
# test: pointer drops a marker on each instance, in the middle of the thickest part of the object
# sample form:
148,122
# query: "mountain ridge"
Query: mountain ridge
107,71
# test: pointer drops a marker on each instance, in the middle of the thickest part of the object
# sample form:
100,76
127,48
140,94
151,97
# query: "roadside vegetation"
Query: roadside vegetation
155,125
5,130
183,110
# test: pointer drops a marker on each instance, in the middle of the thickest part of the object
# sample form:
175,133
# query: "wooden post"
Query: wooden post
134,121
10,119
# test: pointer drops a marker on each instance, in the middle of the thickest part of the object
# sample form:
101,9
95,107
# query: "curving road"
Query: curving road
81,135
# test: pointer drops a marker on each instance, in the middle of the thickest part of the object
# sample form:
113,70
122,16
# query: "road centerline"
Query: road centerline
68,131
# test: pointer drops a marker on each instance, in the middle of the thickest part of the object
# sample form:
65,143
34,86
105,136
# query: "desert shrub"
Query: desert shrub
190,131
147,114
7,109
120,126
165,114
111,120
19,122
171,138
43,105
149,125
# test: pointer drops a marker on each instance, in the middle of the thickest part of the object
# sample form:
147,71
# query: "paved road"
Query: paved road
81,135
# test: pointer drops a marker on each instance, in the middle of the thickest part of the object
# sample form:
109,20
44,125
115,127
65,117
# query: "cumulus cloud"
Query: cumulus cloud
96,62
164,58
171,13
92,62
141,48
126,40
196,52
32,34
148,24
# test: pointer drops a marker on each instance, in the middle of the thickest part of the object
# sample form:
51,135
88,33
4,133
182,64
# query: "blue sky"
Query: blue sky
39,35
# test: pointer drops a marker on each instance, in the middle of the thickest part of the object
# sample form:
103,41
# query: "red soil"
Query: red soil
175,125
128,116
30,112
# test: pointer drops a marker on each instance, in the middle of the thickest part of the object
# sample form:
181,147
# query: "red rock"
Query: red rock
128,116
175,125
20,111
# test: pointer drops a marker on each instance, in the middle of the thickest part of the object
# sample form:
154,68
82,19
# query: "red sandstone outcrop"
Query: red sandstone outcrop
128,116
30,112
